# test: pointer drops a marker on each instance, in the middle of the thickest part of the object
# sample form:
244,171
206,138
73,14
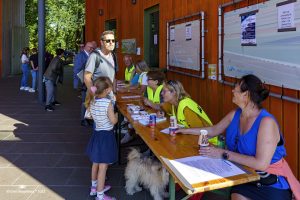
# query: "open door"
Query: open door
151,36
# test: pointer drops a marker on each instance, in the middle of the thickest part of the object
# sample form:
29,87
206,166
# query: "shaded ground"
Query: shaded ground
42,153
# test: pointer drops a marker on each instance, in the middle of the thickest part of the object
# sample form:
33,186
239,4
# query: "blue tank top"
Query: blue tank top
135,79
246,143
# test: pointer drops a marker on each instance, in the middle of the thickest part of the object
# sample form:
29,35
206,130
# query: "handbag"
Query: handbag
88,114
265,179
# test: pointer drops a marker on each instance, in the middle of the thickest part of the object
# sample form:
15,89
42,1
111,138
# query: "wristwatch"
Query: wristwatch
225,155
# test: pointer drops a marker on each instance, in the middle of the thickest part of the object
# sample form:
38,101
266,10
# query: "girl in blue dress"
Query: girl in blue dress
253,139
102,147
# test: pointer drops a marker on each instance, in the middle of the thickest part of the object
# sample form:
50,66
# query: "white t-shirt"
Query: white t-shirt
99,109
144,79
24,59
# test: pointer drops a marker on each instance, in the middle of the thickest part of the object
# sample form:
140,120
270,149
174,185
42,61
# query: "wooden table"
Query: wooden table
176,147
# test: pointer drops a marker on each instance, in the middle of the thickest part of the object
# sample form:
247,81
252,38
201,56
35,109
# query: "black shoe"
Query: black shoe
49,108
56,103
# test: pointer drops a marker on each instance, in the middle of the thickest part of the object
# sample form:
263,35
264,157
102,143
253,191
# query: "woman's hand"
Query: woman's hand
211,151
147,102
160,114
186,131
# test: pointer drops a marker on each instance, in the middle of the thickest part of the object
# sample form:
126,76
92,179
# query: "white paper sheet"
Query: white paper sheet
198,169
131,97
165,131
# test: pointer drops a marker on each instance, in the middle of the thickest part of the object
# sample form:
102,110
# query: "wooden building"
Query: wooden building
130,19
14,36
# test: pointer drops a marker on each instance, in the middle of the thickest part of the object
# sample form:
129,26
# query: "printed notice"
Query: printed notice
197,169
188,32
248,36
172,34
286,16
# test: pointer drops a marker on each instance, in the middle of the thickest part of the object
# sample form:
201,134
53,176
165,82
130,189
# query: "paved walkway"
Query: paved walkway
42,153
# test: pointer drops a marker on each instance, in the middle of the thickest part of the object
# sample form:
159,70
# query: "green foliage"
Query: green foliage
64,23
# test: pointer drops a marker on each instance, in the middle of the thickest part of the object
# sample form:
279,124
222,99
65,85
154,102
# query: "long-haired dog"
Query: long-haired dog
147,172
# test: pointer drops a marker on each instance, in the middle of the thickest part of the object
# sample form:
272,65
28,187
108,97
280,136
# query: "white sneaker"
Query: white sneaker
22,88
127,138
31,90
27,88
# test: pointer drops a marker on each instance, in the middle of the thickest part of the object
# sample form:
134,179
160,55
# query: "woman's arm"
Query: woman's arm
212,130
267,139
152,105
112,116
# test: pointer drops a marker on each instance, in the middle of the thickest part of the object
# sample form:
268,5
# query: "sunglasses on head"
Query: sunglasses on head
109,40
172,83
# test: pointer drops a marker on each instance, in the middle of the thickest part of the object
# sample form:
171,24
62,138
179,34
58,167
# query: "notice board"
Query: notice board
264,39
184,45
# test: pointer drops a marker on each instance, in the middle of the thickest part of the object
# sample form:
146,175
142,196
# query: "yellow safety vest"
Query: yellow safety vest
128,73
187,102
154,97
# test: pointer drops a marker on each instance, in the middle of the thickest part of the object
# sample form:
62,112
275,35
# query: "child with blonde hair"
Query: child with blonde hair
102,147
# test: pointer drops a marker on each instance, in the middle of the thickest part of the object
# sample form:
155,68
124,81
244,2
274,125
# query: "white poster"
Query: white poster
248,36
185,53
172,34
188,32
286,16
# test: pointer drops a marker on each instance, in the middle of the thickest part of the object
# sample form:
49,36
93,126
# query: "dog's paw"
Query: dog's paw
130,192
138,189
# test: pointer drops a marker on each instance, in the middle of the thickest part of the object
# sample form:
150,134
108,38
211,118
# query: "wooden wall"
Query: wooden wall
213,96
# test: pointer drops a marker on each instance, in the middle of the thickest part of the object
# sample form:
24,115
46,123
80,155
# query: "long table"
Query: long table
174,147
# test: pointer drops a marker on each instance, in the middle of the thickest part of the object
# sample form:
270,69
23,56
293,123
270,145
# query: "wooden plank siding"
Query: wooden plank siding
214,97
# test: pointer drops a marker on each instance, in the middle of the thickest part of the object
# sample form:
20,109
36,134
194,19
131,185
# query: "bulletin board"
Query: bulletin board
184,45
264,39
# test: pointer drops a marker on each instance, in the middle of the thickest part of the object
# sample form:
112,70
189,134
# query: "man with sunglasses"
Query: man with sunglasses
102,61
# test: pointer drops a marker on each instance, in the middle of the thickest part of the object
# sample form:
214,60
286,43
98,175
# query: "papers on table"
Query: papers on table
165,131
121,85
131,97
145,121
138,113
197,169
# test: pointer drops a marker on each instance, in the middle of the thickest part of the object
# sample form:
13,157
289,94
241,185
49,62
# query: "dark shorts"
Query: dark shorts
251,191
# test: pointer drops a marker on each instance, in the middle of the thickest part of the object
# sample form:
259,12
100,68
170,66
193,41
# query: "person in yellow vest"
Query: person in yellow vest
141,68
139,86
153,94
130,69
177,102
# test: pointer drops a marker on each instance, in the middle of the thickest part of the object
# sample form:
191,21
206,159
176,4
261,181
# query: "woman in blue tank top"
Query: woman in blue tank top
252,138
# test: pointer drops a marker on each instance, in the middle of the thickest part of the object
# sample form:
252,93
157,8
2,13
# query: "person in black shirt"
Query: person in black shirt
33,60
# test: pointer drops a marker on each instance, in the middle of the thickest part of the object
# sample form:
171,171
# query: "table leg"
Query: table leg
171,188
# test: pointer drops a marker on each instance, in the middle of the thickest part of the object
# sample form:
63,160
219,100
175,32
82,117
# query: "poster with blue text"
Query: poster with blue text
248,37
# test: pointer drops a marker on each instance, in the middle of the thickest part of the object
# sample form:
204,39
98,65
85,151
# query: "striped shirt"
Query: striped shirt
98,110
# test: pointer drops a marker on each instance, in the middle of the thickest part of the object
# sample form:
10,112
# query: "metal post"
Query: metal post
41,48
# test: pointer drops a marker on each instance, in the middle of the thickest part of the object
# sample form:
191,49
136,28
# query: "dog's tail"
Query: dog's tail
134,154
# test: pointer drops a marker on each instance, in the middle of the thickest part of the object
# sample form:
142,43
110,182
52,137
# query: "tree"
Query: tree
64,23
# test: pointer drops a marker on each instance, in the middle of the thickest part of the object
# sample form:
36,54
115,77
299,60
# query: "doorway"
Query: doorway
151,36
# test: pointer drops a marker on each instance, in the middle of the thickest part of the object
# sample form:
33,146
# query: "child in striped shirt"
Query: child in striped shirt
102,147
